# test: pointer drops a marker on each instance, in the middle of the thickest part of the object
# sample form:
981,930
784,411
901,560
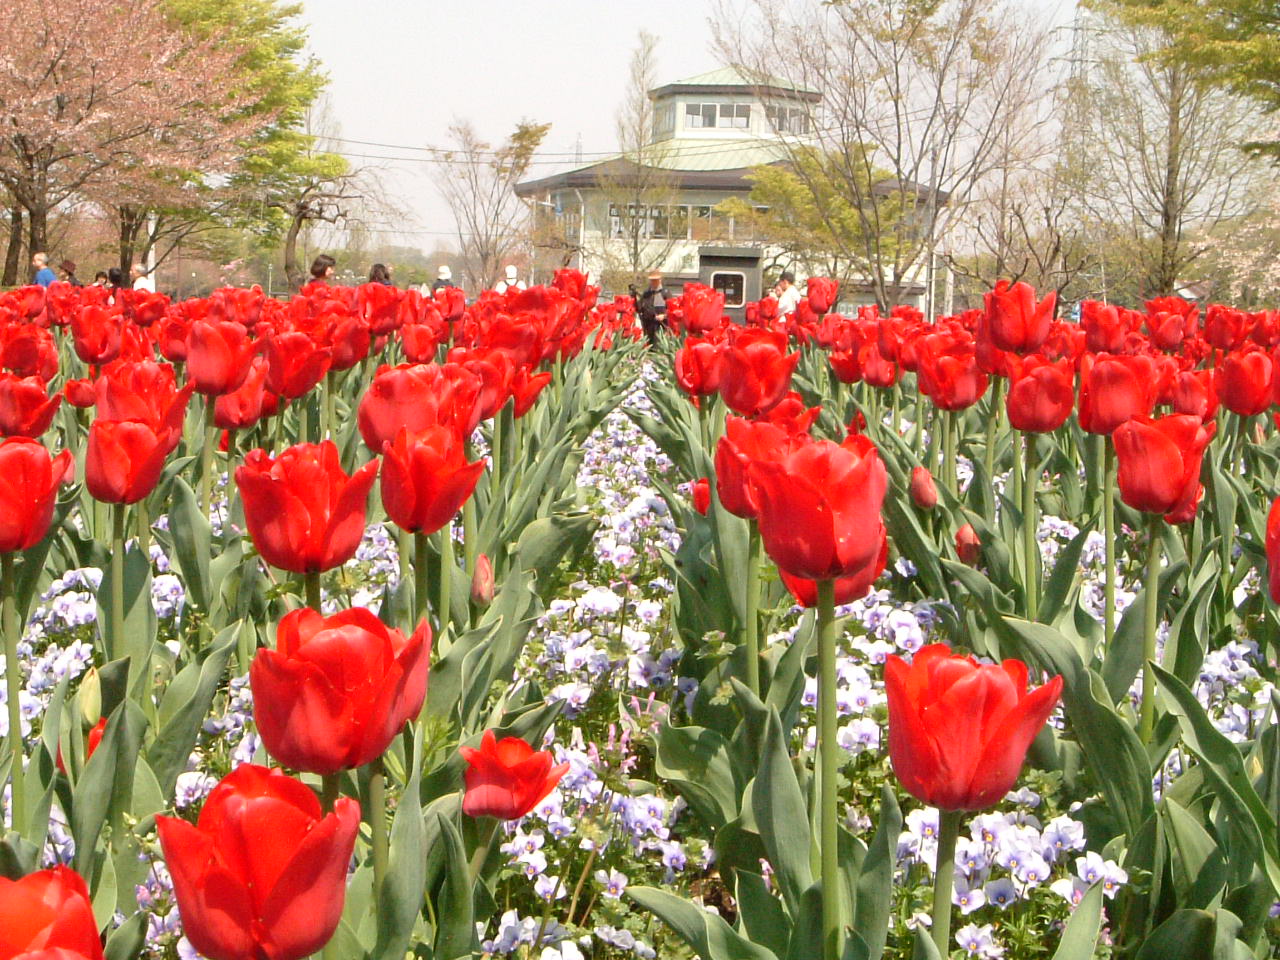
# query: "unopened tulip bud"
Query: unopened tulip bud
923,492
702,495
482,582
91,698
968,546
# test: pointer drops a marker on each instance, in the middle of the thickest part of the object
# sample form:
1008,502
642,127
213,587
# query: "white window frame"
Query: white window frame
731,273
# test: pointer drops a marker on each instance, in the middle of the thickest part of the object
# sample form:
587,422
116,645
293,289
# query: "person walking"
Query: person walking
651,306
511,281
40,264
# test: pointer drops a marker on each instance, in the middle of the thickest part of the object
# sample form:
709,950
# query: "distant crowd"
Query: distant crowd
113,278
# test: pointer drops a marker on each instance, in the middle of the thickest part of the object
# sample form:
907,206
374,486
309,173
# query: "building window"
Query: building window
736,116
664,121
785,119
733,285
698,116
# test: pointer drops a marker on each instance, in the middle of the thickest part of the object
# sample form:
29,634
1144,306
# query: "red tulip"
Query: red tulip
1014,321
1244,381
847,589
1273,550
96,332
418,397
426,478
701,495
1194,393
336,690
47,912
968,546
1225,328
171,338
295,364
1159,464
757,371
745,442
507,778
144,391
1106,326
1114,390
1041,394
699,364
525,388
218,356
482,581
92,742
822,293
304,514
923,491
262,873
29,351
124,458
819,507
29,481
703,308
26,409
959,730
248,403
949,374
1170,320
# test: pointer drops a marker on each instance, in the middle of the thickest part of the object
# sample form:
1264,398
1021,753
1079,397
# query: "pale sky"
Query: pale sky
401,70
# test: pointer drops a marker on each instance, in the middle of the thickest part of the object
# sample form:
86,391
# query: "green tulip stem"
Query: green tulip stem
1109,537
143,518
486,827
919,437
828,755
944,879
116,636
420,588
1147,713
378,825
495,460
1030,545
446,579
13,690
469,527
993,421
330,388
330,787
311,588
206,455
751,633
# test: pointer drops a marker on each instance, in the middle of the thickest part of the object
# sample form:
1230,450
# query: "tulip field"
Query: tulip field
366,625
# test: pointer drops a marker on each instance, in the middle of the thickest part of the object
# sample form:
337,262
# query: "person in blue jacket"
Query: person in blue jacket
40,263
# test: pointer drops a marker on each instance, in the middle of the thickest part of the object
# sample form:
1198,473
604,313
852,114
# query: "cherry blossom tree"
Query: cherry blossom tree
86,98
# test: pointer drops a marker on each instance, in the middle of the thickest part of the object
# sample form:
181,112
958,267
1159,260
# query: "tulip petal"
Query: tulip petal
216,911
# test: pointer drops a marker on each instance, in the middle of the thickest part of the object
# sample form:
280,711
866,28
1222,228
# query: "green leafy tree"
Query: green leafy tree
803,208
1234,43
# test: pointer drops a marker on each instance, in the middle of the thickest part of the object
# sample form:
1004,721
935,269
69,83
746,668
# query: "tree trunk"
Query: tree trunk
1171,206
291,268
38,228
13,255
131,220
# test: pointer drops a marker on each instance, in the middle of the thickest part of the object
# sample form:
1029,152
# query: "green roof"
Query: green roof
734,77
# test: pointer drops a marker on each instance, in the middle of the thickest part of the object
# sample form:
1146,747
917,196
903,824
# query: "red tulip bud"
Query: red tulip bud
923,492
968,546
482,582
702,495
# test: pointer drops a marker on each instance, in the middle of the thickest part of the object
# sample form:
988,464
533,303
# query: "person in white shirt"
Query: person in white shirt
141,279
512,280
787,292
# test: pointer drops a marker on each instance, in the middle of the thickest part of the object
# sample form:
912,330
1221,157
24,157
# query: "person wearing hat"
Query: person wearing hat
652,306
68,268
444,278
511,281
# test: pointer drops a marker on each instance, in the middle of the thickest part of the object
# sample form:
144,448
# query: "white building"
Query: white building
709,133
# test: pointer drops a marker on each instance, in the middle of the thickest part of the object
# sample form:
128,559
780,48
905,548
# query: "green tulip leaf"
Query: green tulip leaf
192,538
782,817
456,933
128,939
763,919
1080,938
709,936
874,897
400,900
696,760
1186,935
